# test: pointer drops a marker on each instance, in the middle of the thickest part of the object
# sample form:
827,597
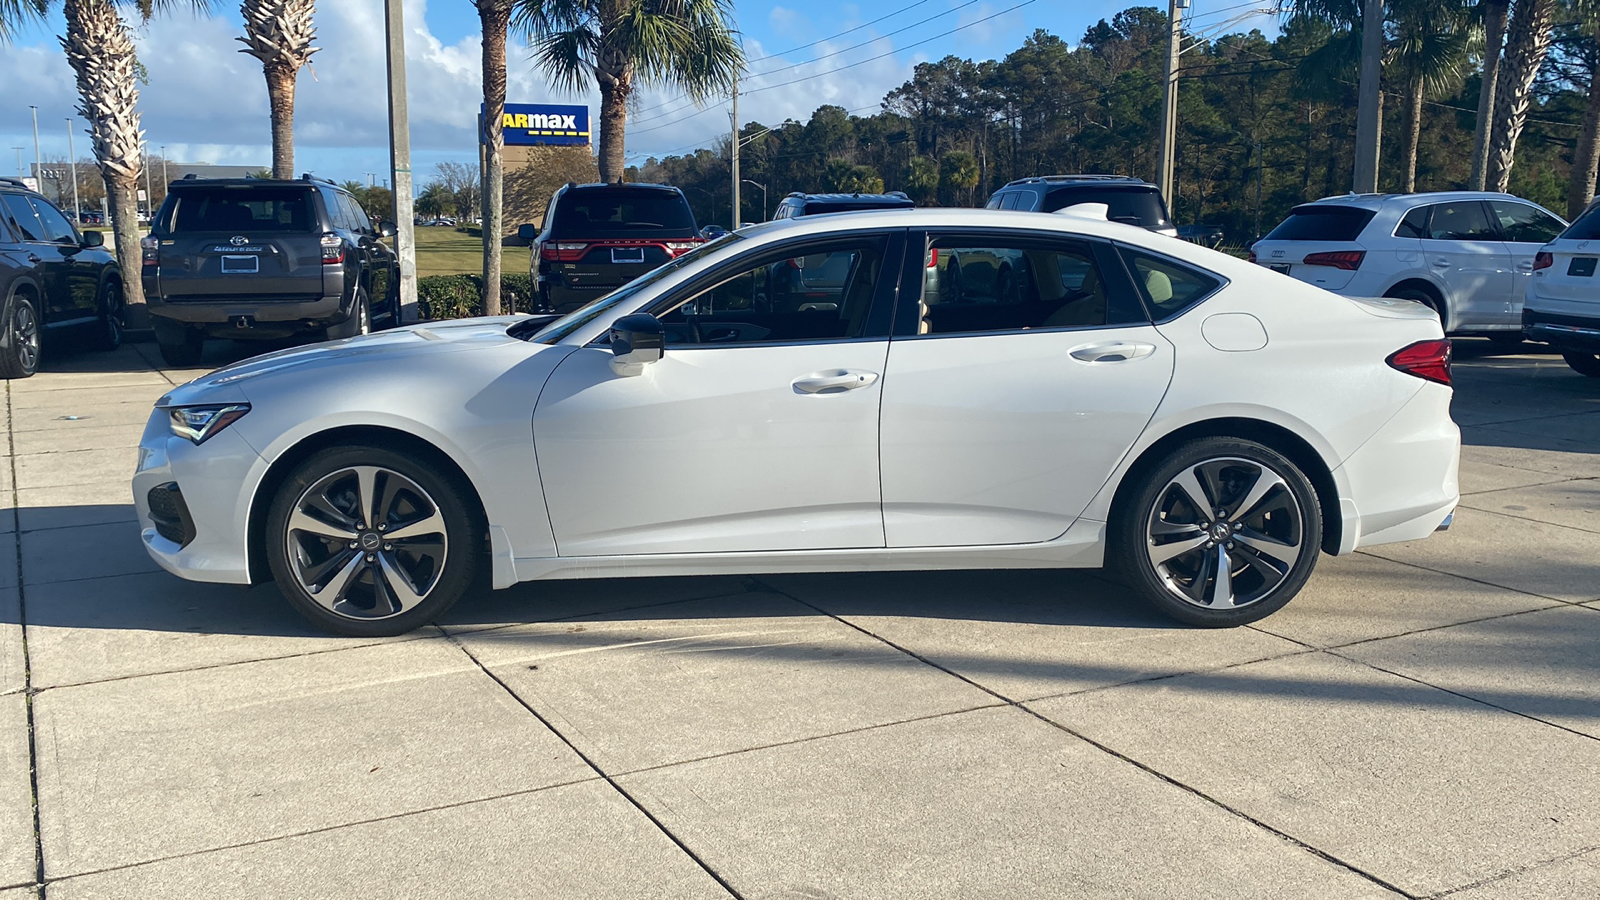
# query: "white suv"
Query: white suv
1467,254
1563,301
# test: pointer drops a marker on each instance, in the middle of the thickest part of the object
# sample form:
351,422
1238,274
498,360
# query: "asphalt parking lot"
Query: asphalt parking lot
1424,720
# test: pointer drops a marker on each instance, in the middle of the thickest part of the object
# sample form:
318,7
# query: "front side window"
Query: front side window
1169,287
824,293
56,226
1460,221
1523,224
1021,285
21,219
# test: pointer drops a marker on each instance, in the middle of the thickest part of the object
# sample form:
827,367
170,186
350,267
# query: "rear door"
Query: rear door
241,242
1463,250
1525,229
82,276
376,256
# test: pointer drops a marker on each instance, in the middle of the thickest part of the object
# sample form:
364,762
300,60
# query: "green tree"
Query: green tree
922,179
435,200
16,13
1429,55
958,176
620,45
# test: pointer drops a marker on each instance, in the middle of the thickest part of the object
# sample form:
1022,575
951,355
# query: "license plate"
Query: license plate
1282,270
241,265
627,254
1581,266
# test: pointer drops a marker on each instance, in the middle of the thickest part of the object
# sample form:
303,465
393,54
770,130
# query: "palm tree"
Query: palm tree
1494,33
1430,54
495,16
1527,40
13,13
689,45
1586,155
279,33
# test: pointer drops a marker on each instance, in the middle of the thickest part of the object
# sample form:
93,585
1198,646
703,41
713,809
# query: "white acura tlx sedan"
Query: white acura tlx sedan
821,395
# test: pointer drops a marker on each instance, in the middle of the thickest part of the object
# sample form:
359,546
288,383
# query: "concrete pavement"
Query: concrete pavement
1423,721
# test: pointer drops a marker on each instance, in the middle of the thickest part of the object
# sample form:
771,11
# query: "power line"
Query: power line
842,33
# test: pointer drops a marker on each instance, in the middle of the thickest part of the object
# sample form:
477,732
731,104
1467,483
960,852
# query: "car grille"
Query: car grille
170,514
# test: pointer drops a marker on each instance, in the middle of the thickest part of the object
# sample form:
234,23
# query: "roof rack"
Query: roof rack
307,176
16,181
1052,179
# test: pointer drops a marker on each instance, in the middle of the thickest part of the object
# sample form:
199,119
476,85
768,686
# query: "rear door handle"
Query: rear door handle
1442,263
34,257
1112,351
834,381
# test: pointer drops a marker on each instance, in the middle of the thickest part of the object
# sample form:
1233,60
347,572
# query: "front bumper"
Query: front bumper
212,481
1576,333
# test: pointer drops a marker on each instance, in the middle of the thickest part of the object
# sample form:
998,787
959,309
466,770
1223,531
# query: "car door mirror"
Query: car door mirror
528,233
636,341
94,239
387,228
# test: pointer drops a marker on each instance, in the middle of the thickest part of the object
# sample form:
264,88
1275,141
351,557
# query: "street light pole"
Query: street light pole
72,160
164,179
20,173
763,196
400,159
38,162
734,115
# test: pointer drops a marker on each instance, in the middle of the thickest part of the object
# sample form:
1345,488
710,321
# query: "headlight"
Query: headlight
197,423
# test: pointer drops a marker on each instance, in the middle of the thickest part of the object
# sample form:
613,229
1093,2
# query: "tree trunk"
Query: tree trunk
1527,41
495,17
122,194
1413,129
613,127
1494,32
280,97
1586,156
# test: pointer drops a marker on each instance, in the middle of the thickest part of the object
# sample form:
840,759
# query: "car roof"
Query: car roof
188,183
623,185
1075,180
1378,201
959,217
895,197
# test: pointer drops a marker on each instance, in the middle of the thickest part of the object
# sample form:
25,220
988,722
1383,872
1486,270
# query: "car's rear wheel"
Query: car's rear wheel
365,541
1223,532
1505,341
360,321
1583,363
1426,298
185,351
20,339
108,331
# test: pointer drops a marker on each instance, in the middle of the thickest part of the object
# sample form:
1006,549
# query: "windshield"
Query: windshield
242,209
1586,228
558,330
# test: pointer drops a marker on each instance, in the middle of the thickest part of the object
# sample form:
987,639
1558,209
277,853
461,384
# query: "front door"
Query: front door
1464,252
49,259
1032,369
757,430
82,276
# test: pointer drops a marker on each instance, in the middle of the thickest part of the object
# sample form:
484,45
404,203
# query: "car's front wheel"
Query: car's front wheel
366,541
185,351
1223,532
1583,363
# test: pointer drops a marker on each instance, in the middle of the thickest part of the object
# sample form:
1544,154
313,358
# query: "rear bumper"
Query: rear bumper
1580,333
1402,484
224,317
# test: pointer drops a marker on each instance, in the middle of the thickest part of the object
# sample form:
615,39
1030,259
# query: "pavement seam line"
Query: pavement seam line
1021,706
1484,582
1508,515
27,664
1554,604
609,779
490,629
1512,873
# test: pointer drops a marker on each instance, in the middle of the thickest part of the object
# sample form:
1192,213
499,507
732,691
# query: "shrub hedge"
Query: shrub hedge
461,296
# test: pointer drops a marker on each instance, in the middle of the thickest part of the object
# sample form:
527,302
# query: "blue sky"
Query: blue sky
205,101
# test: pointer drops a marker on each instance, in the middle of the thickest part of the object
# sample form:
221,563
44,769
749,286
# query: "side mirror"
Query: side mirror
94,239
387,228
529,233
636,341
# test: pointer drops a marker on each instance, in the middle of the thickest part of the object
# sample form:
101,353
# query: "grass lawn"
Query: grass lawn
446,251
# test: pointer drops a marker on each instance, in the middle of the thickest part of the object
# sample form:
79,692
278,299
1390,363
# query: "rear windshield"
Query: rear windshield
1586,228
1131,207
1322,223
623,213
242,210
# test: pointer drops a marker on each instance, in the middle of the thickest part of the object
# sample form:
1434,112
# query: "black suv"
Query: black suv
598,237
1128,200
263,258
53,278
800,204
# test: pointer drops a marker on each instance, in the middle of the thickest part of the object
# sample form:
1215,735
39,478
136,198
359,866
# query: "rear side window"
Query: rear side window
1460,221
1014,285
1130,207
1322,223
1169,287
623,213
244,210
1523,224
1587,226
358,221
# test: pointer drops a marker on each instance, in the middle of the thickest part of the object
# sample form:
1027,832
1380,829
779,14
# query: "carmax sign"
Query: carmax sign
527,124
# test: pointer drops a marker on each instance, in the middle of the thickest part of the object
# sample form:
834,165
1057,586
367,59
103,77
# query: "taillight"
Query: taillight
677,248
150,251
562,251
1428,360
332,249
1543,260
1251,258
1349,260
933,258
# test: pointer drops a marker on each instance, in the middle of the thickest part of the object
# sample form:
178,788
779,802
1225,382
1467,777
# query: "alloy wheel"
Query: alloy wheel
26,330
1225,533
366,542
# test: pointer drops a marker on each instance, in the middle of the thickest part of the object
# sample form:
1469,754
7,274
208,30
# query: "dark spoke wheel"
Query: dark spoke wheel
25,327
366,542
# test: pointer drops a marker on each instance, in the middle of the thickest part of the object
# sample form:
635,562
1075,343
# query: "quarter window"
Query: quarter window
1017,286
1523,224
1169,288
1460,221
1414,225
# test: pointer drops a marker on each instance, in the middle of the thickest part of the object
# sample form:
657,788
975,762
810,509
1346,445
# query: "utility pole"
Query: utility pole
20,173
148,196
734,114
1169,102
400,159
1369,123
164,179
38,161
1261,171
72,160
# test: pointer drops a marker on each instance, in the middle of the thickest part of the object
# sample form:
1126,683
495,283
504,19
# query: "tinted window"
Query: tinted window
825,294
244,210
338,210
835,206
56,226
1460,221
1017,286
1414,225
1586,227
19,216
1523,224
359,222
621,212
1169,288
1321,223
1140,207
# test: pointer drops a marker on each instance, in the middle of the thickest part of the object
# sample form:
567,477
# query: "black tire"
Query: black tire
1284,521
108,331
360,321
436,567
20,338
1506,341
1583,363
954,293
185,352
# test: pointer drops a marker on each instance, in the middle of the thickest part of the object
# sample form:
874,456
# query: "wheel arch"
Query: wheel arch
1296,448
278,472
1428,287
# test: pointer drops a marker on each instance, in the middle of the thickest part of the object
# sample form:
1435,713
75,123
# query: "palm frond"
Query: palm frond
15,13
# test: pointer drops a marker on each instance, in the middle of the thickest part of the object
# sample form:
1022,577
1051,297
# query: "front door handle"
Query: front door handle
34,257
1112,351
833,381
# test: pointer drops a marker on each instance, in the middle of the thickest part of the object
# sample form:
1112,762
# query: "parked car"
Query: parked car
800,203
257,258
1205,235
91,217
598,237
54,280
1128,200
445,222
818,281
1142,418
1562,307
1468,255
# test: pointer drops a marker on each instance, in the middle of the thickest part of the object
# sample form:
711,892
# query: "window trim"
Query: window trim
1489,219
22,238
1149,305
